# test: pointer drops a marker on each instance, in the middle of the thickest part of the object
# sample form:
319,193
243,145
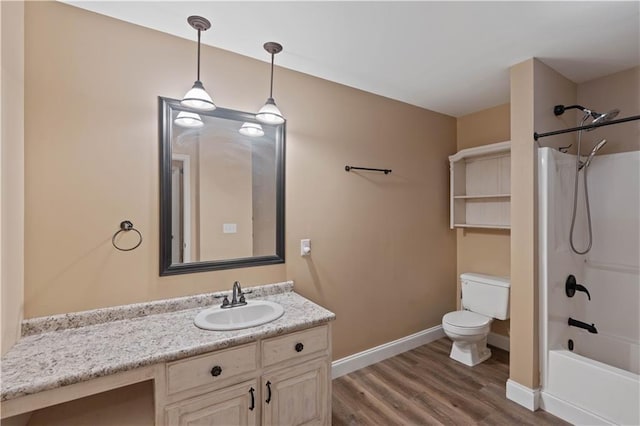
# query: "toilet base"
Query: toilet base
470,353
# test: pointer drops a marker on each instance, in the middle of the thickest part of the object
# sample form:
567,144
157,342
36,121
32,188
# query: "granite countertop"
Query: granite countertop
59,350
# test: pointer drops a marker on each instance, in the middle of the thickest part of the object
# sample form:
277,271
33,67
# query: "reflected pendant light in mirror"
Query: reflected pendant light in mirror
270,113
197,97
188,119
253,130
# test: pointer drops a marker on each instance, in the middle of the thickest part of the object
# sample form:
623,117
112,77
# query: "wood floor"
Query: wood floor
426,387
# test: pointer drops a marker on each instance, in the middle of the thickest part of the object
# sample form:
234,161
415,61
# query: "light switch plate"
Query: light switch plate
229,228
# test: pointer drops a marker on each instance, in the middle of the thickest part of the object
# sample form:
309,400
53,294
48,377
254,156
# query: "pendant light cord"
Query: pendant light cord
198,79
271,88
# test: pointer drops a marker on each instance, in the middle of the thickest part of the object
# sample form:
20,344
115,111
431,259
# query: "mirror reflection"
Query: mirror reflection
222,191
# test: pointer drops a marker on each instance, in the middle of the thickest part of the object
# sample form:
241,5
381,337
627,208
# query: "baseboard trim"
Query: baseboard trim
527,397
363,359
499,341
569,412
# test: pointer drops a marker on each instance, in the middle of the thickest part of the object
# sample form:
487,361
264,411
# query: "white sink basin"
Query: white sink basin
255,312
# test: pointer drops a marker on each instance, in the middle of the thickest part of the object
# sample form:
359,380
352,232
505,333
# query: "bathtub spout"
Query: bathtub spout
590,328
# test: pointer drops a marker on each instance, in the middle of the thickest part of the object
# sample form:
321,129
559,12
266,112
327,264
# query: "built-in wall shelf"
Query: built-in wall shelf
469,225
481,187
461,197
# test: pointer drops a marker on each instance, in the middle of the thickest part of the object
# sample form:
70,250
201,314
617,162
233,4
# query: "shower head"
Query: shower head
601,118
607,116
597,117
592,154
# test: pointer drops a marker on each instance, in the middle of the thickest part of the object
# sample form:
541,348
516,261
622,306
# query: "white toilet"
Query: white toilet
484,297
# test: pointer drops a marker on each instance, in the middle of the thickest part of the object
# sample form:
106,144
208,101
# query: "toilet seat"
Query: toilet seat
466,322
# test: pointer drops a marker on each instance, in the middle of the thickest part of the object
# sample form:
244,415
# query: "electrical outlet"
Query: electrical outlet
305,247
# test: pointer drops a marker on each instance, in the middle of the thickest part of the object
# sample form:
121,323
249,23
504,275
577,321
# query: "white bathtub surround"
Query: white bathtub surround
523,395
597,382
573,396
371,356
49,360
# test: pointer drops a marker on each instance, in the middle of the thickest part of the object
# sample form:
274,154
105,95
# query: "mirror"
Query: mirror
221,192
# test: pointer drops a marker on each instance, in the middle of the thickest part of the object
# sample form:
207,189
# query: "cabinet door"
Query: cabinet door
297,395
235,405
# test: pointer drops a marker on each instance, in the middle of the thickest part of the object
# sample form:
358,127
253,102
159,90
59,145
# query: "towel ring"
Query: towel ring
126,226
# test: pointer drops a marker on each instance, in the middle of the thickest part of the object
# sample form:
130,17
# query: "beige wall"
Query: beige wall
383,257
485,251
522,342
535,89
484,127
620,90
92,153
12,170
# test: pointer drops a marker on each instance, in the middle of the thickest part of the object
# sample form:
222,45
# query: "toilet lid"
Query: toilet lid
466,319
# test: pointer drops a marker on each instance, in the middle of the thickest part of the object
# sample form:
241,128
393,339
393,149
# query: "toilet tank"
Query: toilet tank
486,295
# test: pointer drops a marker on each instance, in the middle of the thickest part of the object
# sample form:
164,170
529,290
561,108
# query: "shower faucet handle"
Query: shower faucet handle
571,286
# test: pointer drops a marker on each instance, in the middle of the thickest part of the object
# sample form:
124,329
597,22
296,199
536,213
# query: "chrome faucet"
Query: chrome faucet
237,293
237,297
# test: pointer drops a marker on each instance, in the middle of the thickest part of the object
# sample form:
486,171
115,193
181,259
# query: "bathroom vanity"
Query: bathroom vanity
276,373
283,380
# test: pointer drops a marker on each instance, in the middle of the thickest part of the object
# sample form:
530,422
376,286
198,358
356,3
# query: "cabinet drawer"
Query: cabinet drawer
210,368
294,345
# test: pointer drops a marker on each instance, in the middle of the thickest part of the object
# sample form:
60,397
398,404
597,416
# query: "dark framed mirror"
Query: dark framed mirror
221,191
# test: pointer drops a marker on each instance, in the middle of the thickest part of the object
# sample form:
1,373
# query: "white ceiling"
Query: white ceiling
450,57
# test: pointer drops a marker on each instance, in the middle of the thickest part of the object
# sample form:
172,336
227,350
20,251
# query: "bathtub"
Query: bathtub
590,378
584,391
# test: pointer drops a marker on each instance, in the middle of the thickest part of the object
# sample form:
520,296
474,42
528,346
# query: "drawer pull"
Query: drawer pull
253,401
216,371
268,400
299,347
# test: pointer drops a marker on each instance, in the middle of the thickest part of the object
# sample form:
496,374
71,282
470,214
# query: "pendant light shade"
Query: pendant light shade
270,113
188,119
253,130
197,97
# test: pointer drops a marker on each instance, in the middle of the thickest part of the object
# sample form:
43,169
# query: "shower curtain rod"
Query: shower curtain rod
537,135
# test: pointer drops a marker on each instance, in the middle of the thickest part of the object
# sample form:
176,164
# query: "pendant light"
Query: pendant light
197,97
270,113
188,119
253,130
